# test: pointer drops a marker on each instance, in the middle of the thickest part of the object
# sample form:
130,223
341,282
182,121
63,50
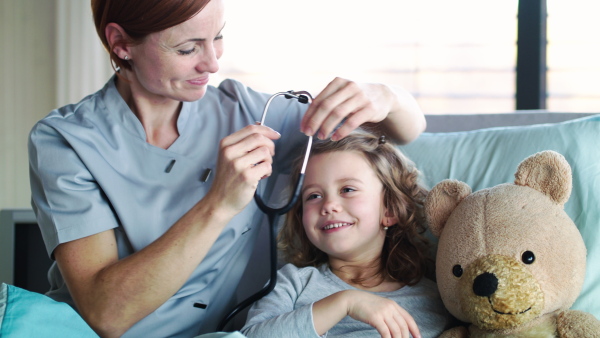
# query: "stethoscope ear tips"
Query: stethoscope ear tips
302,98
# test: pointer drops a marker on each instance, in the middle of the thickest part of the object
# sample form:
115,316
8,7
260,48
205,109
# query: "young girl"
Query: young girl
357,255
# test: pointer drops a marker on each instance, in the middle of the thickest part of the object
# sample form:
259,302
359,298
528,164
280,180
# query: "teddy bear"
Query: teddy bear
510,262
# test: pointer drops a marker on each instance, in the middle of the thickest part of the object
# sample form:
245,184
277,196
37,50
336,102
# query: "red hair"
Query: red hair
139,18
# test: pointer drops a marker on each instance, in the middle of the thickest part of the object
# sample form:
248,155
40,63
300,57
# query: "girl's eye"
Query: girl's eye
347,190
312,197
219,37
187,51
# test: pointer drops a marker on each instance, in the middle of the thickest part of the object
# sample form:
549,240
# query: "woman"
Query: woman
143,189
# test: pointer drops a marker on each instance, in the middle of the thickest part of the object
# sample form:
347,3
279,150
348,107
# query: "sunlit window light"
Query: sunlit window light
453,56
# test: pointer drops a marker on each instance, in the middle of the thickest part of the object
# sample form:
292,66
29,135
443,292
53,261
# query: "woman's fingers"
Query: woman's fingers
249,137
345,105
245,157
329,108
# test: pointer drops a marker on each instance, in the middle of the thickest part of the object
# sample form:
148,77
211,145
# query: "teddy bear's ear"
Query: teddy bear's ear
547,172
441,201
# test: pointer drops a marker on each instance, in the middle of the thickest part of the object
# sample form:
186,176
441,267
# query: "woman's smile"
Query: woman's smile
200,81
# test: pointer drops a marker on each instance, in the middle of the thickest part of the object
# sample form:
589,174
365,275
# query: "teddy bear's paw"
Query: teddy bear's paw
577,324
456,332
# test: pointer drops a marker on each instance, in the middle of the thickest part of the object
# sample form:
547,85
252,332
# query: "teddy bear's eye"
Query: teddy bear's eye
457,270
528,257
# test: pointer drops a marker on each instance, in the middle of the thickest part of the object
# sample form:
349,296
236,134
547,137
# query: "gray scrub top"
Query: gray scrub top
92,170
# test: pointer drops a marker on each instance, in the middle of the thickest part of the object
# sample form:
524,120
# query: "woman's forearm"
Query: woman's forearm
111,294
405,121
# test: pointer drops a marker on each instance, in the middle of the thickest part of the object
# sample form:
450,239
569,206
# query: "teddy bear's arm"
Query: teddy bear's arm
575,323
455,332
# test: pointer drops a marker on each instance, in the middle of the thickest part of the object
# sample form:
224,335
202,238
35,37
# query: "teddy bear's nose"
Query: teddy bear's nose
485,284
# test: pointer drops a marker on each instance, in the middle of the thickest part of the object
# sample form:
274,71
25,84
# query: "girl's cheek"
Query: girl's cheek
309,214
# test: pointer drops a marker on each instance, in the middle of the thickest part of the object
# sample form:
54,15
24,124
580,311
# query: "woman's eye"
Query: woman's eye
219,37
187,51
347,189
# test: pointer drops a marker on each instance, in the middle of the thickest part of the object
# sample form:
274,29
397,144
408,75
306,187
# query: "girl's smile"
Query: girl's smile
343,208
335,225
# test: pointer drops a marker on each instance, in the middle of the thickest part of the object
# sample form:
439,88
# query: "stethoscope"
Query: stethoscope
274,213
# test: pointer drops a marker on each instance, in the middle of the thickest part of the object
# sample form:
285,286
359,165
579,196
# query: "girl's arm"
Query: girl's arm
276,315
392,110
385,315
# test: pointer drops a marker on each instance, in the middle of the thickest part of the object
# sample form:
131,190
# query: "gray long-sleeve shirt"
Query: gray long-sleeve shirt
287,310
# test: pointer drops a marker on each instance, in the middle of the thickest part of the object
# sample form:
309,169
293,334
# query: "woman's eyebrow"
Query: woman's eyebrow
198,39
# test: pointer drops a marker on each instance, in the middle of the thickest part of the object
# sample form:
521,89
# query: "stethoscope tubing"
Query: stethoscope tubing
273,214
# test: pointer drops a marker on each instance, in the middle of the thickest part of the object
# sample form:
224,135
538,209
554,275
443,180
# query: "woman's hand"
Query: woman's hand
385,315
352,104
245,157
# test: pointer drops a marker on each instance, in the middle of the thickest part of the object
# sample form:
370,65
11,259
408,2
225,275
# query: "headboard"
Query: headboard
23,258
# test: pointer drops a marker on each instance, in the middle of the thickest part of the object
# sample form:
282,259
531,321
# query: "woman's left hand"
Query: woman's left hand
352,104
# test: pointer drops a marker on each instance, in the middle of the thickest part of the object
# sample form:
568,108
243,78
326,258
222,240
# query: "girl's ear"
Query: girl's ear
117,40
389,220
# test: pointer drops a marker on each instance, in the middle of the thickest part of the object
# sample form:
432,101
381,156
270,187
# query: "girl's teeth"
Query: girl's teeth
335,225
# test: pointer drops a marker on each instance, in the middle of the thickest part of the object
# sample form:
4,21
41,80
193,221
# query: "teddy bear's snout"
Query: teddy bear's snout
485,284
499,292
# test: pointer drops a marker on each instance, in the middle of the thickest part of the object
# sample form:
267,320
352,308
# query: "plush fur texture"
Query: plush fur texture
510,261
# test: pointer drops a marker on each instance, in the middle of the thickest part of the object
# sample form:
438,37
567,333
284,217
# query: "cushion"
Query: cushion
488,157
29,314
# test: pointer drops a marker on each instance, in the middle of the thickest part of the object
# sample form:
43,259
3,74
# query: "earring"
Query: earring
126,57
385,228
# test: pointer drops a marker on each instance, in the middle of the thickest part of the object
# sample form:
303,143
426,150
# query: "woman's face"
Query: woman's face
176,63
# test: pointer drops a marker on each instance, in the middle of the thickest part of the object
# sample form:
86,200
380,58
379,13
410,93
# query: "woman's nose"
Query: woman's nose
210,60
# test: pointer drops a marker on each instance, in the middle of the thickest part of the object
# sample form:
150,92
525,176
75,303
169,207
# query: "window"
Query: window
573,56
453,56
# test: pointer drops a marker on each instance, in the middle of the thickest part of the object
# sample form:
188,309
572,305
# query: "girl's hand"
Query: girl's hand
385,315
245,157
345,99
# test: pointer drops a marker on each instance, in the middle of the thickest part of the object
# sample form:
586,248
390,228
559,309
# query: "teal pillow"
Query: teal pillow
488,157
29,314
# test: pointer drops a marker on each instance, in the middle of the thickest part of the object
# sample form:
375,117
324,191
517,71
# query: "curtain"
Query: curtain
82,63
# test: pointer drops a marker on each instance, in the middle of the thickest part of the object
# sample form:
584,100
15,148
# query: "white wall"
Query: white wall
32,68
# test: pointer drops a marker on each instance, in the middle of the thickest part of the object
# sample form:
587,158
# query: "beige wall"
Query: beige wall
50,56
27,90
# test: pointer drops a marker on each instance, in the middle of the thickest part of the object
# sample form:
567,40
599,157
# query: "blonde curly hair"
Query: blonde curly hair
404,255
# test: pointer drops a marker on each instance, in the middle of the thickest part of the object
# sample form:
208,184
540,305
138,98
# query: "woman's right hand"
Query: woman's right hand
245,157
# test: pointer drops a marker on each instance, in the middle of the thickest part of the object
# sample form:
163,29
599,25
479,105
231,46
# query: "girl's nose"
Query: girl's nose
330,206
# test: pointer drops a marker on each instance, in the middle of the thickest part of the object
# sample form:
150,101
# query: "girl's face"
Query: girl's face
176,63
343,208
